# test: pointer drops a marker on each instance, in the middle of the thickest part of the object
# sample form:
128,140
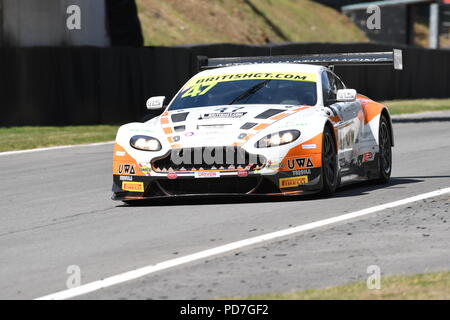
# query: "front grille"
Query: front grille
208,158
232,185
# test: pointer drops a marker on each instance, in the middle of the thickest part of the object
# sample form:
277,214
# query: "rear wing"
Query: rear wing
329,60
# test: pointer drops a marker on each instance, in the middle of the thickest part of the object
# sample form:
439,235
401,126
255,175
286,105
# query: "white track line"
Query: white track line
134,274
5,153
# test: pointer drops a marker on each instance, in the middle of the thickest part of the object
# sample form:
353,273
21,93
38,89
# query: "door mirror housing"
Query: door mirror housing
346,95
156,103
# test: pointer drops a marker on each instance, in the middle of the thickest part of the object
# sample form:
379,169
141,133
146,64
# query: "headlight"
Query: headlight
145,143
278,139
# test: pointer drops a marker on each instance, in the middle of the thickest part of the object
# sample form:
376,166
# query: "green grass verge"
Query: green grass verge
415,287
419,105
19,138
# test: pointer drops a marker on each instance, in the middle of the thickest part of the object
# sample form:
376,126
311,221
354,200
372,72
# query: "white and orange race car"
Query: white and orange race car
279,125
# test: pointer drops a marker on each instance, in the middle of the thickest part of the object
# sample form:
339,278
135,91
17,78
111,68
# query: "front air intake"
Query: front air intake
208,158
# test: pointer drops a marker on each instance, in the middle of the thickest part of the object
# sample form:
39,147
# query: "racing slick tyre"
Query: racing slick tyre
385,152
329,163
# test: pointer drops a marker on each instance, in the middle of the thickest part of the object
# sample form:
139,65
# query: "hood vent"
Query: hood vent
179,128
268,113
248,125
178,117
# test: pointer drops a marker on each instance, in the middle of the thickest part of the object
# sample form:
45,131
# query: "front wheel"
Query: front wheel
385,151
329,163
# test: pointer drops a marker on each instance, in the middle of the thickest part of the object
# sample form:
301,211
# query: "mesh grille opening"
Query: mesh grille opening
193,159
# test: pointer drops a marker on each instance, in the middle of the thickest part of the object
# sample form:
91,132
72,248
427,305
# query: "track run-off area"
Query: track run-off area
56,213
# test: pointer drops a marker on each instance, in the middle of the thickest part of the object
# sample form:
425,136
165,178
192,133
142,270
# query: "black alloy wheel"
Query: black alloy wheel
385,151
329,163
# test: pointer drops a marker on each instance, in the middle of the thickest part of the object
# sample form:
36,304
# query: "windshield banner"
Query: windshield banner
292,76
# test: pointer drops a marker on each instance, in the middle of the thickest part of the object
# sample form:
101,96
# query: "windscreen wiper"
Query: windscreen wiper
250,91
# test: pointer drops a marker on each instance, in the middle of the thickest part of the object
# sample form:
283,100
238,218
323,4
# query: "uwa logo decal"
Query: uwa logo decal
299,163
126,169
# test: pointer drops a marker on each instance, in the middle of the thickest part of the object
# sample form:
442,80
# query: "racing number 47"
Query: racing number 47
197,90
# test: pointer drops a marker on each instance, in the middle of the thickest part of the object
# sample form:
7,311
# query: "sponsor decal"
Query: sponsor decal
201,85
213,80
126,169
221,115
133,186
120,153
172,175
126,178
145,169
292,182
290,125
212,126
242,173
347,137
299,163
309,146
368,156
274,165
301,172
207,174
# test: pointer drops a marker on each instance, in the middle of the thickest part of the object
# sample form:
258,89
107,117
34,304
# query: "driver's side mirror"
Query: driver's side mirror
156,103
346,95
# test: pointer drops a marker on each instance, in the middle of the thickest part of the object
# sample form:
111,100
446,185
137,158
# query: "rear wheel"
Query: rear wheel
385,151
329,163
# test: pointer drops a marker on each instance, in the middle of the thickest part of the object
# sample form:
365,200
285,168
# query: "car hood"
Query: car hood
219,125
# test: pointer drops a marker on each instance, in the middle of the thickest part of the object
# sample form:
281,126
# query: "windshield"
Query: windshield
250,88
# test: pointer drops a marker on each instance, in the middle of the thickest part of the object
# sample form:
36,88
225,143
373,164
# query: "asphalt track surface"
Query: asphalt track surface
56,212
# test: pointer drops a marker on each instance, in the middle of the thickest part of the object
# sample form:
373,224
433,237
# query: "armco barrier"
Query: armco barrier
87,85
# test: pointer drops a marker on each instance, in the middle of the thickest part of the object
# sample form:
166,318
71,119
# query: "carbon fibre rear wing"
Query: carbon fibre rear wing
329,60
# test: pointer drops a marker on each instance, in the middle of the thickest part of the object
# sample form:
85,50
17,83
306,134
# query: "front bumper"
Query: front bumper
128,188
